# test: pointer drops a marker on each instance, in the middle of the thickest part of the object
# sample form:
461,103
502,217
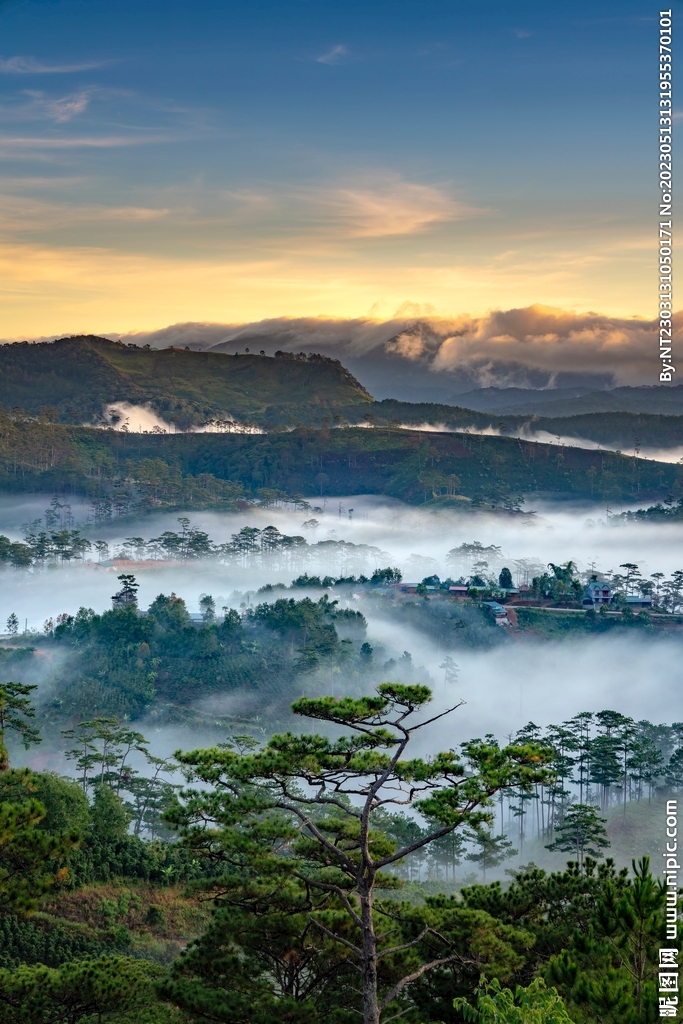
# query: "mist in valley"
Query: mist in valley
504,678
393,534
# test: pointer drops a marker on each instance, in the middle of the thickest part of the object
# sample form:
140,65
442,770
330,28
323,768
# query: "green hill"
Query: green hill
77,377
611,429
74,379
177,469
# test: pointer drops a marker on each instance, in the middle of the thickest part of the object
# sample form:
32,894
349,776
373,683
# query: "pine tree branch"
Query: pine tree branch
406,945
337,938
409,978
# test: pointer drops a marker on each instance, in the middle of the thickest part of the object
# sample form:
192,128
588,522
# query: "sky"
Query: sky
226,162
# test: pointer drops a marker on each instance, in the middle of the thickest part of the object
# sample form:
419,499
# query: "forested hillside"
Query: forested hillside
75,378
551,402
200,470
270,884
622,430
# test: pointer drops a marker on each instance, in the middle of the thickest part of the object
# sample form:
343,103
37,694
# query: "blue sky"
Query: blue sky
173,161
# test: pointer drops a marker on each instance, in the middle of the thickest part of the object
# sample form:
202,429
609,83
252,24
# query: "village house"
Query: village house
597,593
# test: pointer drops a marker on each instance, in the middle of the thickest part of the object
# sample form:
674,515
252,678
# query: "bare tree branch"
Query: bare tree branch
409,978
337,890
337,938
406,945
442,714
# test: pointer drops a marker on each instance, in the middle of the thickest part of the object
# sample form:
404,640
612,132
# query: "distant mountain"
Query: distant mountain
575,401
78,377
424,358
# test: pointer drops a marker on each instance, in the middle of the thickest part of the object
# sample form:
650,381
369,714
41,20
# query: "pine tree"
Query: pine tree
582,832
16,714
609,971
491,851
304,805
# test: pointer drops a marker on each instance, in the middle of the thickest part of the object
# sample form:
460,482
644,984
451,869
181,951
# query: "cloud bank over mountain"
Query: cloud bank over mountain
416,357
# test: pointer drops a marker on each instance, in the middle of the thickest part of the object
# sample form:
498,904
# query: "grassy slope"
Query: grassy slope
94,910
641,831
400,463
79,376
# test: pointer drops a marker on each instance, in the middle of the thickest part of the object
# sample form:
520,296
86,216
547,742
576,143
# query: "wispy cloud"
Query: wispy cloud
31,66
63,108
20,214
334,56
522,33
24,143
391,207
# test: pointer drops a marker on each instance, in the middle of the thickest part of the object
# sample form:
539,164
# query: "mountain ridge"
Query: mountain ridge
80,375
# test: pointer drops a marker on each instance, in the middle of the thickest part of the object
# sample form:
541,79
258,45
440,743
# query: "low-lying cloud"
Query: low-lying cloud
533,347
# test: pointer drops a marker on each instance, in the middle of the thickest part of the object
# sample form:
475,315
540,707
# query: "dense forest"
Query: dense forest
210,470
618,430
285,879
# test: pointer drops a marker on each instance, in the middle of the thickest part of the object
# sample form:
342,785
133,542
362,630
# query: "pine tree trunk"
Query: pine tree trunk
370,1004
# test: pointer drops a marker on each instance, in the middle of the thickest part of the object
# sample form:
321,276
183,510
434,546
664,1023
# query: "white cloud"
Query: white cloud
61,109
333,56
31,66
394,207
9,142
526,347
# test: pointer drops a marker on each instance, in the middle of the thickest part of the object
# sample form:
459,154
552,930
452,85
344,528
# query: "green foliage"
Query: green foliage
265,825
609,971
109,818
549,906
16,715
533,1005
263,950
66,805
206,470
121,662
31,858
39,942
453,624
593,416
561,586
103,988
505,579
305,624
582,831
